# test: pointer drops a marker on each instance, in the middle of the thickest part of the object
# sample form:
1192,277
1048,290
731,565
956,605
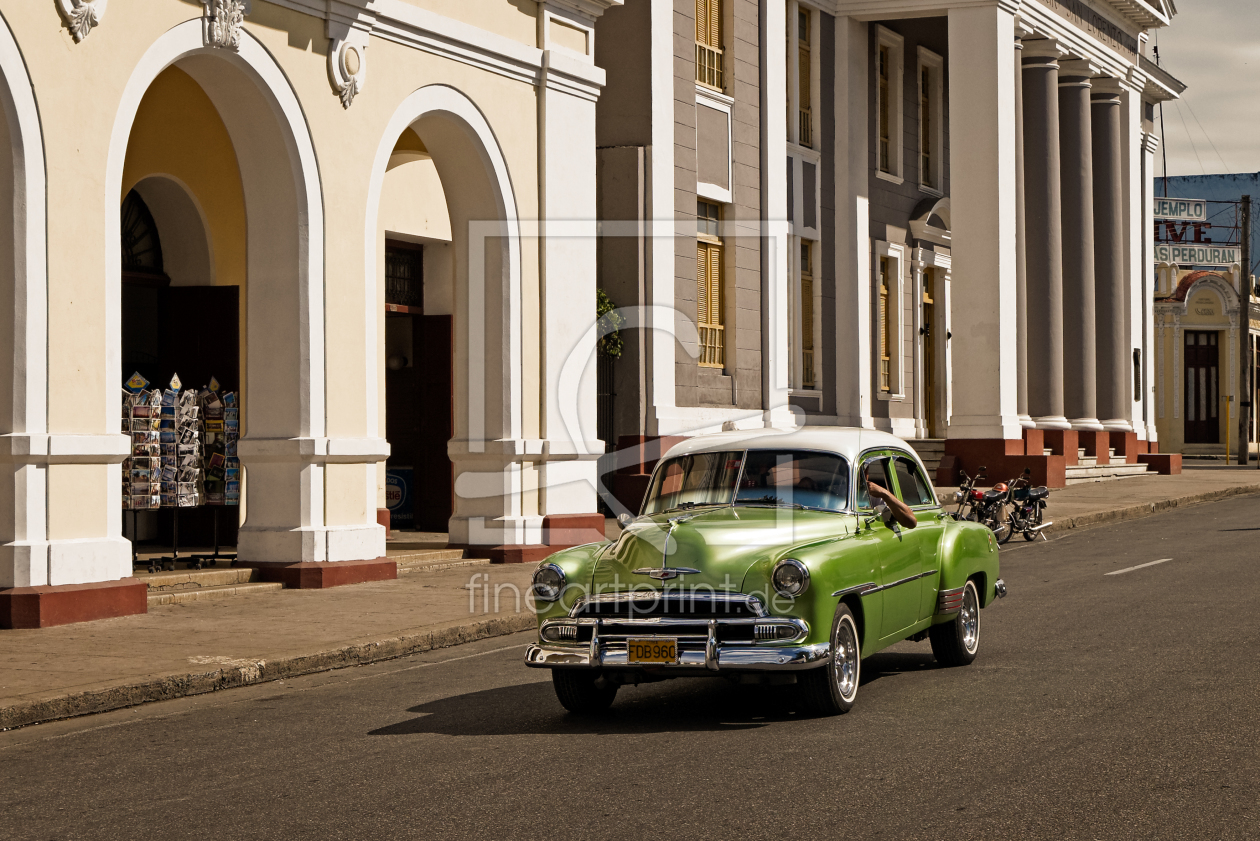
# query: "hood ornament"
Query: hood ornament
665,572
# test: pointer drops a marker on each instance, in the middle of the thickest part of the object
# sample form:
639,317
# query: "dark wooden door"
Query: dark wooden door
1202,379
419,420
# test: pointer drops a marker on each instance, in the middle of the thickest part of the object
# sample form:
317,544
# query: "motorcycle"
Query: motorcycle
987,507
1027,511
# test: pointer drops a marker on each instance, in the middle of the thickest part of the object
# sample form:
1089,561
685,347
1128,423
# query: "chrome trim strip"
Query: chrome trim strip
860,588
665,573
735,658
872,588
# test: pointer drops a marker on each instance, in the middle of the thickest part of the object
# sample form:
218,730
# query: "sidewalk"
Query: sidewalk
202,646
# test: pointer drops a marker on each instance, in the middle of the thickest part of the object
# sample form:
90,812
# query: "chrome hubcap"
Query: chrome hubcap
845,661
970,619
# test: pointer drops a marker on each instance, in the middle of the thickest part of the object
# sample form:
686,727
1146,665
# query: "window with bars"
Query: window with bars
805,78
709,294
885,324
885,117
709,44
404,275
927,172
807,315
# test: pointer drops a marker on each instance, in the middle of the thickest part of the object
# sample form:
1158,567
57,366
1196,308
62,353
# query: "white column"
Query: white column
982,177
567,269
1137,234
853,222
775,235
1144,414
660,264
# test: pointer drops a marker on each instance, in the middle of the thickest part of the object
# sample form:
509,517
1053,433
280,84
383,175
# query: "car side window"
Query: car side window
876,470
914,488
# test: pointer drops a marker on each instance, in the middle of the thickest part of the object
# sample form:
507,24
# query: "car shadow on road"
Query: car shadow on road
681,706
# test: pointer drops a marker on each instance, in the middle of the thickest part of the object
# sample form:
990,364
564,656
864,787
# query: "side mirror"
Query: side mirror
624,518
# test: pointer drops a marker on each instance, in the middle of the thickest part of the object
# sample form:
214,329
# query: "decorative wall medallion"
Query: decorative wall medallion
81,15
347,65
222,22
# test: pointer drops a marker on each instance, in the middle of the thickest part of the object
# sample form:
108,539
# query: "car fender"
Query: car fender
968,550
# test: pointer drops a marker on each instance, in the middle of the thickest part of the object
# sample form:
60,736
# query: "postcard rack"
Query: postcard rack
183,455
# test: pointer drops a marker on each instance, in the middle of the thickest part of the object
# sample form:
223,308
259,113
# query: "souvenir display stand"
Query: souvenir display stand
183,455
221,427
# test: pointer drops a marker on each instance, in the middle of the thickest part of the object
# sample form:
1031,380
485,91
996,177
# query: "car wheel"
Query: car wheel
833,688
581,691
956,643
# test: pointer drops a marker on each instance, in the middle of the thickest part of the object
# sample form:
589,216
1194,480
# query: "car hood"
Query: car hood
722,543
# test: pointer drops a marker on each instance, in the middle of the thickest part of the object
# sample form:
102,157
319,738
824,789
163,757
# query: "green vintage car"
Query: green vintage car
759,556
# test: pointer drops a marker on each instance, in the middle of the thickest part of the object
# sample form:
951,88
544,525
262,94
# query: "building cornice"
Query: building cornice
411,26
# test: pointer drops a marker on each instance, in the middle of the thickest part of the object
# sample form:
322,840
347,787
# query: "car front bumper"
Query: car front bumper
716,657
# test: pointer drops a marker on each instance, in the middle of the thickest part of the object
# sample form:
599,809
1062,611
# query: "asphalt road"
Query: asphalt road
1101,706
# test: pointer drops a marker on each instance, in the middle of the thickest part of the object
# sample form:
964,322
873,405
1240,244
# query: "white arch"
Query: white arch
23,518
182,42
477,425
30,269
284,447
445,100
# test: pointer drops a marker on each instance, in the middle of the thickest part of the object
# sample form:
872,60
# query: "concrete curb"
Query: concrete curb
231,673
1146,509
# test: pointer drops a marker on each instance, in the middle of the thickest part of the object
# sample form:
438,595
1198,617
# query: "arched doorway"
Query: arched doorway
442,127
245,172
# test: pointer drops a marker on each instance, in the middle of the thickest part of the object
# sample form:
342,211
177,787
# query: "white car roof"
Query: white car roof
847,441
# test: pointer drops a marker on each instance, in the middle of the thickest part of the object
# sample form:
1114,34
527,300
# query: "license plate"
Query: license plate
651,651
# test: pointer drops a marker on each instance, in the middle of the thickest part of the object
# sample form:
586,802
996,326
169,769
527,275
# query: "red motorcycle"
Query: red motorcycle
987,507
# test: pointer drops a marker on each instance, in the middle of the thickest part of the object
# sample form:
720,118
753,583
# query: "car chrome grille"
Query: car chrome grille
667,605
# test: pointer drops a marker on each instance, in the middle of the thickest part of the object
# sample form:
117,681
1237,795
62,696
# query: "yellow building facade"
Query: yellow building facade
291,150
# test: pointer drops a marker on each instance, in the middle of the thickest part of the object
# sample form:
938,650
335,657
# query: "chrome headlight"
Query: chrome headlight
958,496
548,583
790,578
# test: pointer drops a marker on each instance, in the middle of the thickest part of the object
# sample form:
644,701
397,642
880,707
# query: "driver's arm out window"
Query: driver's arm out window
876,471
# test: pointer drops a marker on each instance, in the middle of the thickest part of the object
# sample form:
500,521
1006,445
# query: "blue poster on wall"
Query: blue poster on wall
399,497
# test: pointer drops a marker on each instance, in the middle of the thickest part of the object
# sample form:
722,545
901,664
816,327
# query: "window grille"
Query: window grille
807,316
927,173
885,115
404,276
804,78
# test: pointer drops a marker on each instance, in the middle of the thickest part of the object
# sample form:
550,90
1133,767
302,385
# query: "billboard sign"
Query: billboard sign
1196,255
1187,210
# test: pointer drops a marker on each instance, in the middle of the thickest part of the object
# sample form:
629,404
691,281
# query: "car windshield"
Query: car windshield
797,478
794,477
691,480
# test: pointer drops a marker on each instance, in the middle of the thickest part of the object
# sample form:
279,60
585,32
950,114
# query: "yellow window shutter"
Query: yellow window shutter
807,313
715,285
702,21
715,24
701,284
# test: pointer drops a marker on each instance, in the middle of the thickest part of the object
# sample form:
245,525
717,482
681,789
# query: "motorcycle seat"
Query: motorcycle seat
993,495
1039,493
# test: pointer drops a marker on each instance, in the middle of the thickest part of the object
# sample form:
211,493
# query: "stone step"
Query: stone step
197,579
1080,474
432,560
254,588
930,451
